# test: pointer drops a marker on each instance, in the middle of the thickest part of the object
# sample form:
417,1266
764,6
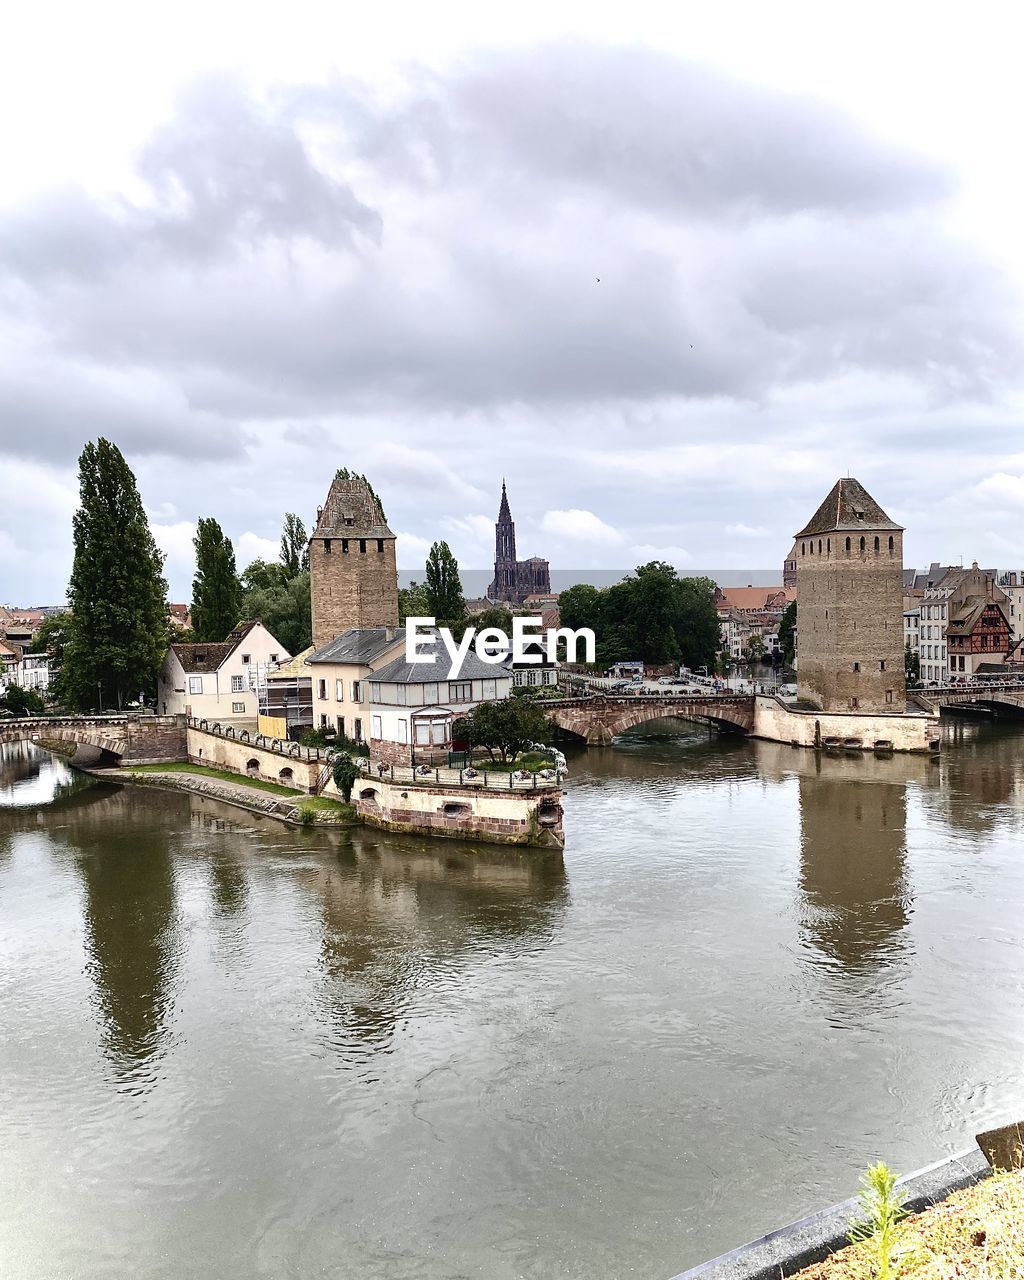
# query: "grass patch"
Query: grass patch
324,804
977,1234
258,784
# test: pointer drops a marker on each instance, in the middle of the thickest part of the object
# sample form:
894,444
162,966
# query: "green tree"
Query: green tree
262,575
117,631
755,648
443,585
912,665
413,602
216,590
506,727
294,546
787,633
282,606
22,702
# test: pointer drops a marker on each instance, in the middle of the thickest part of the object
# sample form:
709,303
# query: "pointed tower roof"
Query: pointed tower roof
848,506
352,510
504,514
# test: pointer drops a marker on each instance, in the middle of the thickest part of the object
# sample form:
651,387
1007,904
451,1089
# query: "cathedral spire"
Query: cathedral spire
504,514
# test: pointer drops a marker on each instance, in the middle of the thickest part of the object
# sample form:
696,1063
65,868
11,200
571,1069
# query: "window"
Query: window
862,544
245,659
819,546
531,677
803,548
273,657
323,722
344,546
375,727
888,695
847,544
362,546
237,684
321,690
237,708
357,731
339,691
854,704
375,691
340,721
327,545
490,688
403,731
400,694
356,697
195,684
877,545
461,691
856,666
828,546
380,544
892,544
881,665
430,694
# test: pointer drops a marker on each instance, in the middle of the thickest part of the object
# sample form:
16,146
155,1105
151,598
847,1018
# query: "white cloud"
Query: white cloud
412,551
575,525
677,556
250,547
1001,489
745,531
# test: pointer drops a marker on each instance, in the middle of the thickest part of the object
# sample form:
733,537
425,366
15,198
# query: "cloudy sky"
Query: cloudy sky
670,270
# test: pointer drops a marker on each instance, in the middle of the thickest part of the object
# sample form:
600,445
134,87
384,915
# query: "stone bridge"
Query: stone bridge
599,718
990,696
133,739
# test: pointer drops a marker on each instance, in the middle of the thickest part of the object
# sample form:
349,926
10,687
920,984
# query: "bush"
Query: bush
345,774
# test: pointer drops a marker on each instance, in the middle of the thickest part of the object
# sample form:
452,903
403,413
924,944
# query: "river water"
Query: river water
230,1048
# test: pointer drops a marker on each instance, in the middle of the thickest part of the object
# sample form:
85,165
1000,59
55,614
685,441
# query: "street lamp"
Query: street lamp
99,690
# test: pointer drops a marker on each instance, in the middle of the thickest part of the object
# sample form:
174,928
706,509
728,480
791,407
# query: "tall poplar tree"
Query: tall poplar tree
117,630
294,546
443,585
216,590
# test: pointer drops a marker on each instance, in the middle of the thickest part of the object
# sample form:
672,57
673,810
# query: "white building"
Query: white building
219,681
340,671
413,706
942,597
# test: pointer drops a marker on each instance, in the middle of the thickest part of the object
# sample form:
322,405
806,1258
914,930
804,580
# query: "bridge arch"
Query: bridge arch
113,741
598,720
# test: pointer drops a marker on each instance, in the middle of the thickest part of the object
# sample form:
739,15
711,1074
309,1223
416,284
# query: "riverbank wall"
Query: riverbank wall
788,1250
776,721
441,803
468,812
252,800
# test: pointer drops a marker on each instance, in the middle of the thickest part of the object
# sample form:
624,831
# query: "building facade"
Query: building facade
219,681
514,579
943,599
340,672
353,580
850,589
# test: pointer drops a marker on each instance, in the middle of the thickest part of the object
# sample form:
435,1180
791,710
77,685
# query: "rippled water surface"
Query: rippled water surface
231,1048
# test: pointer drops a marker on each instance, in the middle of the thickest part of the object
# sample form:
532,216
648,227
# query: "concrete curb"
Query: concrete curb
814,1238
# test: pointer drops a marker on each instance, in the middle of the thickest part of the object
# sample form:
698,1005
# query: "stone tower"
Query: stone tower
849,584
353,581
505,585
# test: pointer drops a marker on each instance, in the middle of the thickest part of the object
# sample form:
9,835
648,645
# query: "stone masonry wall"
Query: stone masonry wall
351,588
907,732
234,756
850,622
469,813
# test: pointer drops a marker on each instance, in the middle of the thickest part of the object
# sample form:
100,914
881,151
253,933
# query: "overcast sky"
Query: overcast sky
670,270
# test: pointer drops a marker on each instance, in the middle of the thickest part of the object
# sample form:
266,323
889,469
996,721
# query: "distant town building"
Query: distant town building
950,595
789,569
353,578
179,617
514,579
850,589
285,699
746,613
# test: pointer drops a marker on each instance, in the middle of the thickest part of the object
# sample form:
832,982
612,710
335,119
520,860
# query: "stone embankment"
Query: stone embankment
241,796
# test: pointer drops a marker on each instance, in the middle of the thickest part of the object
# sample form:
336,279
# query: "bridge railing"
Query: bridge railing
259,741
492,779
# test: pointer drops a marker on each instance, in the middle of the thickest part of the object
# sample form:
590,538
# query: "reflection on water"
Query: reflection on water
359,1054
30,776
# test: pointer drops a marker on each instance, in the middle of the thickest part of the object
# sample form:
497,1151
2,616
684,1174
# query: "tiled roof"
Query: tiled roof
473,668
199,658
362,645
351,511
848,506
294,667
756,597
